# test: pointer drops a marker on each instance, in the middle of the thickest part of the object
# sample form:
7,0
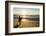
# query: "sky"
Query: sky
25,11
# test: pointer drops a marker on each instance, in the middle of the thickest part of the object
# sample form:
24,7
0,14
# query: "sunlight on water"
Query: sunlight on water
24,20
24,16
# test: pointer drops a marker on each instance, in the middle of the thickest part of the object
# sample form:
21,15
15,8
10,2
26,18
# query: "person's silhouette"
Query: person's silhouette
19,20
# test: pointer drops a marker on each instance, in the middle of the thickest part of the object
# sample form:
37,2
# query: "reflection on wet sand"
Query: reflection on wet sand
26,22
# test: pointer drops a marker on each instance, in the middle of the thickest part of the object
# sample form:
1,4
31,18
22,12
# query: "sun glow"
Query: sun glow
23,12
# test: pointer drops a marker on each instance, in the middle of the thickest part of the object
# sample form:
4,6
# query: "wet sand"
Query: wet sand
26,23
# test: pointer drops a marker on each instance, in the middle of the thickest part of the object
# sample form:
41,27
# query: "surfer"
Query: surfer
19,22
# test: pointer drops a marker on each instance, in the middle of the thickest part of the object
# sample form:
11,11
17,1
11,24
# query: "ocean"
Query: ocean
26,21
